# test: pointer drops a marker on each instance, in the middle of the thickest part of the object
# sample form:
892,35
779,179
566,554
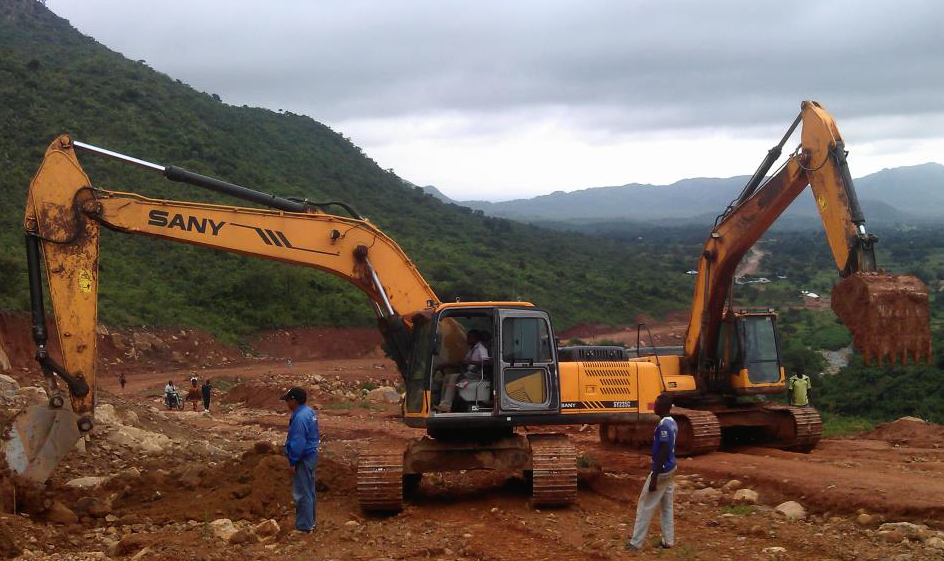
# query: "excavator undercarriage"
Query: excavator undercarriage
385,476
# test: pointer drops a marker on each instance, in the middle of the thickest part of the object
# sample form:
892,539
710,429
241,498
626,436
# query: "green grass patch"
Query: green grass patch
738,510
351,405
843,425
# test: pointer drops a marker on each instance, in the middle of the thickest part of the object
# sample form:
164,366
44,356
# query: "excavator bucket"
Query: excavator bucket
37,439
888,316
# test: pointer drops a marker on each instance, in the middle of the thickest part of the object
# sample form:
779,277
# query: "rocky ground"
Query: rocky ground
153,484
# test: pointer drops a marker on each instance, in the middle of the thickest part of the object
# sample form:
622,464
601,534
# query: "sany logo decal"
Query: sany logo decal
187,224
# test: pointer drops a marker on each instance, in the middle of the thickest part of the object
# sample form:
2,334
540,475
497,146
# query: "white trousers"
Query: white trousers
661,498
449,389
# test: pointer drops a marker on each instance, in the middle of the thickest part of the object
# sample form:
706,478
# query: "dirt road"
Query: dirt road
227,466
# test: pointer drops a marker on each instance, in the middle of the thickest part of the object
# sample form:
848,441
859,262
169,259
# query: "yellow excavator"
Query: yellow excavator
522,383
733,353
525,381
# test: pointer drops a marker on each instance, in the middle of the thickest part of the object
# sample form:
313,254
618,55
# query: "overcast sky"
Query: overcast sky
498,100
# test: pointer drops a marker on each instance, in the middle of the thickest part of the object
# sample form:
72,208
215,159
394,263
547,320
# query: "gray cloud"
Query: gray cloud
639,66
607,69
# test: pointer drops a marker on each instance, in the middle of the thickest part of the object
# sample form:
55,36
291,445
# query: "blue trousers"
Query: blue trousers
303,493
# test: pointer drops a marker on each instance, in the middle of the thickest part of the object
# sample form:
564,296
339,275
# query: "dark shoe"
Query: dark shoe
664,545
630,546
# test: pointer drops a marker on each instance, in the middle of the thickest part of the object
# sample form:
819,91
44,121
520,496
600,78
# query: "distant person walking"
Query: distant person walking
193,393
659,489
799,388
205,390
301,448
122,380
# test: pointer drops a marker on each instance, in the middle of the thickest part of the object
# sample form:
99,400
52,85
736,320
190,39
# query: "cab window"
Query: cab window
526,340
760,350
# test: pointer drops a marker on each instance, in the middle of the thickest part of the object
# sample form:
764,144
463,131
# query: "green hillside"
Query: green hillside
53,80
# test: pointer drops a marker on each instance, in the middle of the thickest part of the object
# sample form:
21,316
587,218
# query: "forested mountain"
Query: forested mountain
54,80
913,193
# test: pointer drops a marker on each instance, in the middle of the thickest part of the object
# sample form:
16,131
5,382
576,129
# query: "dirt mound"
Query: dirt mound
257,485
257,396
909,431
120,347
309,343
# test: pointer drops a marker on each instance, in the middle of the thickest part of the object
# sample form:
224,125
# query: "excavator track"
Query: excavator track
380,480
699,432
554,470
801,428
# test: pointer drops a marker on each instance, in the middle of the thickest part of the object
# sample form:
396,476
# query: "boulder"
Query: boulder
144,341
792,510
93,506
266,528
143,440
4,360
119,341
384,394
732,485
935,542
891,536
8,386
706,494
130,473
774,550
34,395
865,519
105,413
907,529
130,543
239,536
86,483
58,513
746,497
130,418
223,528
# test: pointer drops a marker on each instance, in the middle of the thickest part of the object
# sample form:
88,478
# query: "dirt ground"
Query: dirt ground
171,475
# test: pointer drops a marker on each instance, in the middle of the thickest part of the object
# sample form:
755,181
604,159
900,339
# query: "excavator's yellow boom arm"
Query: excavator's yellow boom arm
64,215
887,315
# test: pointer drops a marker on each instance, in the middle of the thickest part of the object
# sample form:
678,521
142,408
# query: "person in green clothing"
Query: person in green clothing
799,388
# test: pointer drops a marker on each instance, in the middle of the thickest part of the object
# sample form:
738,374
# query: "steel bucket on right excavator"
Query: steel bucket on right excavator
888,316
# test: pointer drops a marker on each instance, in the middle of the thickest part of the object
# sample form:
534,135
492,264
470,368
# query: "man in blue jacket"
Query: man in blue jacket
659,489
301,448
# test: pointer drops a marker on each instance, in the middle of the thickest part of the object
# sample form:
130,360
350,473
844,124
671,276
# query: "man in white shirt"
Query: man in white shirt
169,390
474,359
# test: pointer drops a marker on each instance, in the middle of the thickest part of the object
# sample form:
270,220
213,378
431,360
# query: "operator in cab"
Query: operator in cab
471,366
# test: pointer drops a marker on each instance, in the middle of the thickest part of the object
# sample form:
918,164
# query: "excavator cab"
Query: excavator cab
749,353
519,378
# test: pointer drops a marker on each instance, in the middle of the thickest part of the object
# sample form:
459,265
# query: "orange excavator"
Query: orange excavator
731,354
524,380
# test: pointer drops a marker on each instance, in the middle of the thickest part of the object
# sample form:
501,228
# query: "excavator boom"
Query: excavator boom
64,215
888,315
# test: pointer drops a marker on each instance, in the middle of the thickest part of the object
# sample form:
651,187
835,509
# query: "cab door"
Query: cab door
527,364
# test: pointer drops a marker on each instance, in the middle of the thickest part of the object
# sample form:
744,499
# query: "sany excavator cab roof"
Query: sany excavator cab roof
455,305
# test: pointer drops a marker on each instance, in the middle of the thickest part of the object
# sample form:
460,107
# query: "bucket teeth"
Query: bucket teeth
888,316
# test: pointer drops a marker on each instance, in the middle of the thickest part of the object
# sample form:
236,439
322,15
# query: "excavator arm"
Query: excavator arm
64,215
888,315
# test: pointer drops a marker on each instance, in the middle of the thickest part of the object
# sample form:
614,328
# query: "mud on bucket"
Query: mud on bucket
888,316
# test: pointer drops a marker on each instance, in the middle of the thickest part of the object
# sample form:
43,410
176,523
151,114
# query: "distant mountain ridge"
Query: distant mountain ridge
896,194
